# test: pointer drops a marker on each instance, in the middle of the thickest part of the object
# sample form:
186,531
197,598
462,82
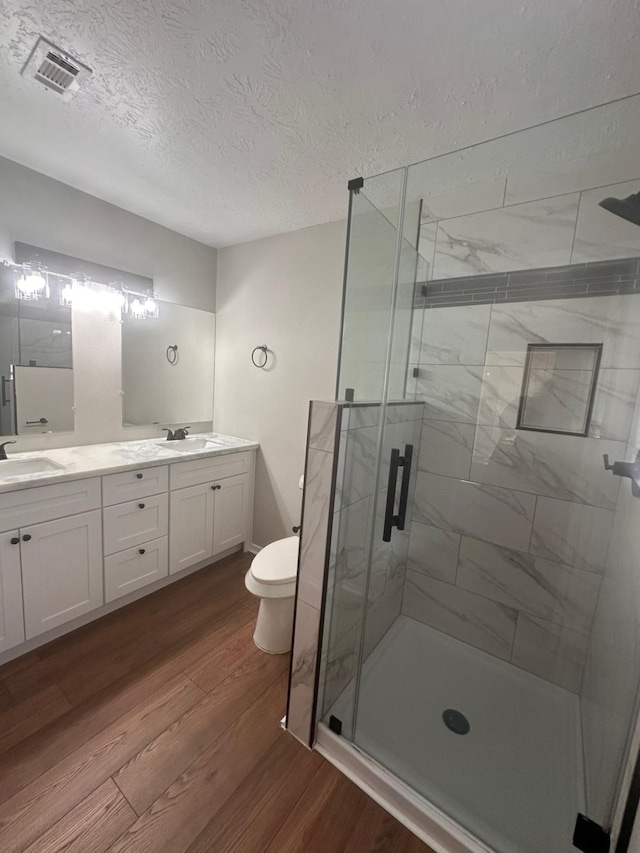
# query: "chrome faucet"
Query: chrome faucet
178,435
3,452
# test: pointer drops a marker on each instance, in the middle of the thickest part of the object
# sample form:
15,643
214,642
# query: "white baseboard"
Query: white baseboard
252,548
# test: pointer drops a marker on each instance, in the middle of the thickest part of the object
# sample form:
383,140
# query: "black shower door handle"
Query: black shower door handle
5,396
404,488
404,462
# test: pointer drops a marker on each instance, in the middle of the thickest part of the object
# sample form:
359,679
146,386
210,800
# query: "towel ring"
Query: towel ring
172,354
263,348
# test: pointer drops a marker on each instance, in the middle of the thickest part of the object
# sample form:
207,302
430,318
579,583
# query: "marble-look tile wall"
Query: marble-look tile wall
510,527
315,536
359,599
561,229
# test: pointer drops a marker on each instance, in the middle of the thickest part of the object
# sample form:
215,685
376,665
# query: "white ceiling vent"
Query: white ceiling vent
56,69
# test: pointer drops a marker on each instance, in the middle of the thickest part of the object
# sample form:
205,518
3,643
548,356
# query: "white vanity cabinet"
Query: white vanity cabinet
212,515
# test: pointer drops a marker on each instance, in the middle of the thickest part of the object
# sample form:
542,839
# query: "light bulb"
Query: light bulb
151,308
137,309
66,295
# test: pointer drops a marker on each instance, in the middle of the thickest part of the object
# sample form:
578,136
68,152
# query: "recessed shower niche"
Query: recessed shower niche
558,387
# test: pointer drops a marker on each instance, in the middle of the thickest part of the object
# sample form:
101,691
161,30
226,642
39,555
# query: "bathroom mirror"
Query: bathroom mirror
36,361
167,368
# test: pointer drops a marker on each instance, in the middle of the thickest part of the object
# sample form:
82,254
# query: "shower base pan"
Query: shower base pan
513,783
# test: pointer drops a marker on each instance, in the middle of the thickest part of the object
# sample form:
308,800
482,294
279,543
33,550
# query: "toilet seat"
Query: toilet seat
277,563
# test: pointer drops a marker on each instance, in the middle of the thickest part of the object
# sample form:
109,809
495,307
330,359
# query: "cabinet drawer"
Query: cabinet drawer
130,485
46,503
132,523
198,471
134,568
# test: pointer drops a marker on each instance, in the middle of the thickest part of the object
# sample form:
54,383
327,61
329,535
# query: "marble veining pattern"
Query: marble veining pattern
315,528
522,236
570,533
446,448
529,584
450,392
303,671
433,551
322,426
453,336
612,321
483,512
96,459
476,620
559,466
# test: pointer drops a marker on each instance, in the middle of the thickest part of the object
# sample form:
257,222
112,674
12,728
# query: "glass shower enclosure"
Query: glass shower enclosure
483,606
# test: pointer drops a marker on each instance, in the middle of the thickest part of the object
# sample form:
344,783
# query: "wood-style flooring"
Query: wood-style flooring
156,729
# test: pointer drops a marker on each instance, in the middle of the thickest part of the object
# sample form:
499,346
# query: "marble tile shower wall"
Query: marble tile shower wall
352,523
511,527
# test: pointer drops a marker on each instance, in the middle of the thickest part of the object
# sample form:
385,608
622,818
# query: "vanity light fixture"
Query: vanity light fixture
32,284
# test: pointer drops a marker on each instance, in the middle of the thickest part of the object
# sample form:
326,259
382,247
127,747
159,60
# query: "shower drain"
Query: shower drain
456,722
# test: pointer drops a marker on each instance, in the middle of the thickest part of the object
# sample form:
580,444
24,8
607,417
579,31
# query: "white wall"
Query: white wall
44,212
285,292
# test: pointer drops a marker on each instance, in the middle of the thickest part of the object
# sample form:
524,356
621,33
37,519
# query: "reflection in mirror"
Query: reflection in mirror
36,366
167,368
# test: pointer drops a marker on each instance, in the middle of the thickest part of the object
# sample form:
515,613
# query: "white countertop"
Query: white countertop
92,460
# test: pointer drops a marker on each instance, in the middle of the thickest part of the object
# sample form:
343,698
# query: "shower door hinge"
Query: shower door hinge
589,836
416,372
423,290
355,185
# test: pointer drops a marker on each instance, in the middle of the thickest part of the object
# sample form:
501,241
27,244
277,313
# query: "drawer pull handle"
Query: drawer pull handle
141,551
140,506
26,537
216,487
139,476
15,540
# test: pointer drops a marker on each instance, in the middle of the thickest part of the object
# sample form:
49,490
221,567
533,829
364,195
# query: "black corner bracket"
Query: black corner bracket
355,185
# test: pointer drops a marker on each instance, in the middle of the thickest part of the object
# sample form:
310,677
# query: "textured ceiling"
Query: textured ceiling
228,120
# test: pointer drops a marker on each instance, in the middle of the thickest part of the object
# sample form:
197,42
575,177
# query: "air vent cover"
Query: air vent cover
56,69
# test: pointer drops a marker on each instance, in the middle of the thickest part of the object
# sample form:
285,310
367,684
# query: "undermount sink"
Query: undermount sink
186,444
20,467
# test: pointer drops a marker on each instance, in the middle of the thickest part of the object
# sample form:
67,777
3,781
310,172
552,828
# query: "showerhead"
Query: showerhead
628,208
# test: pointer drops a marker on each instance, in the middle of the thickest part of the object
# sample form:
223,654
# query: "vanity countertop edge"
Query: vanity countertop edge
95,460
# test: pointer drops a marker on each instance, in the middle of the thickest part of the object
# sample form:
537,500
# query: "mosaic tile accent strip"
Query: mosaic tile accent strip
599,278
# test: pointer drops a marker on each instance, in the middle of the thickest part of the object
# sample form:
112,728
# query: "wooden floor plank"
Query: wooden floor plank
376,831
91,826
164,759
177,817
251,818
323,819
34,809
210,670
24,718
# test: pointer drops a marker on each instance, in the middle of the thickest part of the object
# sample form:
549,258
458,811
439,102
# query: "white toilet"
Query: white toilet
272,578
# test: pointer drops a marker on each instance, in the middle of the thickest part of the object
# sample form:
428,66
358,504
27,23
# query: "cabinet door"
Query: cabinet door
11,612
190,526
61,571
230,513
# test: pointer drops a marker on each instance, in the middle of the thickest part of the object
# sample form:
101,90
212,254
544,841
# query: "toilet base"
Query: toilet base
274,626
